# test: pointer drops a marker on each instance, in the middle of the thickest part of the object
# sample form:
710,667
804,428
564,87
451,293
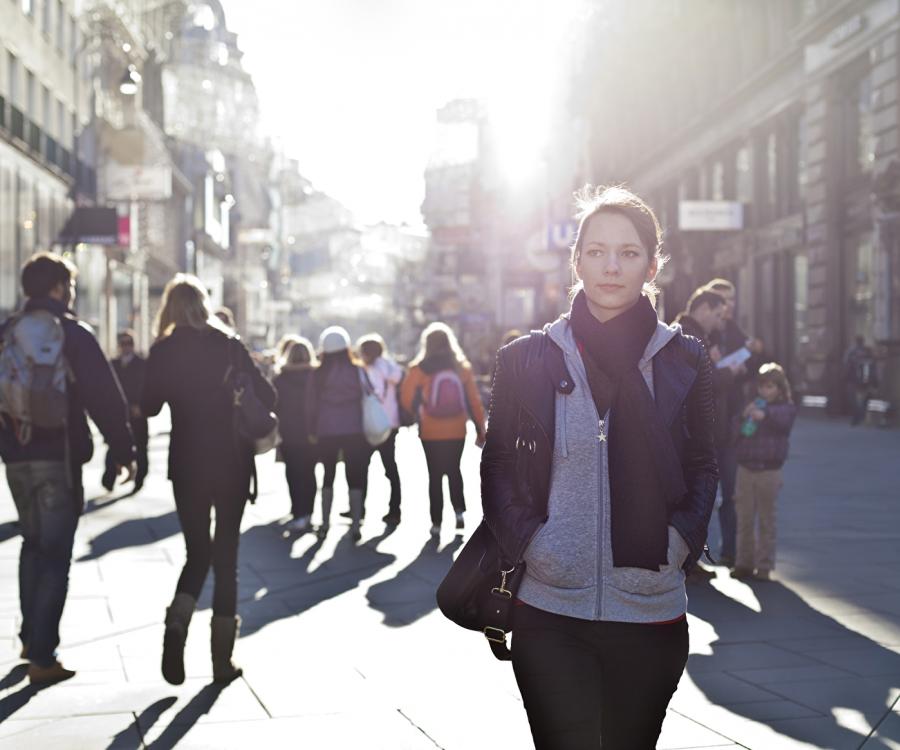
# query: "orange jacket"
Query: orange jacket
448,428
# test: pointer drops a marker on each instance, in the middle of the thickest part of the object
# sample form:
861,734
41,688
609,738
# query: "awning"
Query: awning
92,225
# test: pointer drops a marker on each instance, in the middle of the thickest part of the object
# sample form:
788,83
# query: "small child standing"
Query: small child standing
762,448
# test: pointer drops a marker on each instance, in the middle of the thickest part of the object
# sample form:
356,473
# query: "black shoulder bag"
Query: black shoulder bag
479,591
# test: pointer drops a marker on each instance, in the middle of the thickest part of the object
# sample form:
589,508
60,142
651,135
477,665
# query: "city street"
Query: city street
342,645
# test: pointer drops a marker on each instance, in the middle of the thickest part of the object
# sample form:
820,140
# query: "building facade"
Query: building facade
791,111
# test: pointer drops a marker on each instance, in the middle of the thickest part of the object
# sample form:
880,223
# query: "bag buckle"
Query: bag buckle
495,635
238,395
502,590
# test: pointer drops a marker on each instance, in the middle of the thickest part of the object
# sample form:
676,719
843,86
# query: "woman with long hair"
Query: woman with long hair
599,475
209,467
334,411
294,379
441,390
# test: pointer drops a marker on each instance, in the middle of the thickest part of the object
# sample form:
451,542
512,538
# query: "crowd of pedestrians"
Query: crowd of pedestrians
612,437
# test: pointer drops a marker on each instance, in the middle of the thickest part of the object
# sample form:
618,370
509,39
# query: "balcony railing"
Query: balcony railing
64,160
34,138
50,148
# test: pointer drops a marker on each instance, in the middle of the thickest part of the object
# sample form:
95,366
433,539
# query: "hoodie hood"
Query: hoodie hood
560,332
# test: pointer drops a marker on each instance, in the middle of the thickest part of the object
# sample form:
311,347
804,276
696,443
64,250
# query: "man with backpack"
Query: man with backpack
52,371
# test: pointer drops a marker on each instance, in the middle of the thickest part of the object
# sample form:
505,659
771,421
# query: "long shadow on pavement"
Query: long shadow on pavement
18,700
184,720
791,657
410,595
134,532
146,719
289,587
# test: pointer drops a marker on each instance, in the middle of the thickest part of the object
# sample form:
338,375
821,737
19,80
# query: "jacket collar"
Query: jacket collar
59,309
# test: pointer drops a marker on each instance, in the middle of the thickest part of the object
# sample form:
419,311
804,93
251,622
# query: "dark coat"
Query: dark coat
93,389
291,385
334,404
768,447
131,377
723,381
187,369
516,463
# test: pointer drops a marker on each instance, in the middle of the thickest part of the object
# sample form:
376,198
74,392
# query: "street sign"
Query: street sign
561,234
710,216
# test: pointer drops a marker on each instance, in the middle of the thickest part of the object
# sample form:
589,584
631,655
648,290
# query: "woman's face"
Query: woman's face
613,265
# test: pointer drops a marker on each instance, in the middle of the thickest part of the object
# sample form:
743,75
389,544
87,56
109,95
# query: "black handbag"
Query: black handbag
479,590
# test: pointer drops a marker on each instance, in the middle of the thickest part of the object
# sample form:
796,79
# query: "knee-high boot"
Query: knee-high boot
223,632
178,617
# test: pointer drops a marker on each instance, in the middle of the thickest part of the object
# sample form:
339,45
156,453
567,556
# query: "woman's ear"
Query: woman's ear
652,269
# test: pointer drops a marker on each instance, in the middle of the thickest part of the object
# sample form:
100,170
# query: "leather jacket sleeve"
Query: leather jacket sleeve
510,518
701,473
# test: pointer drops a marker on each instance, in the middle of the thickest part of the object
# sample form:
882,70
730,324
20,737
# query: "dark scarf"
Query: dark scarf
645,474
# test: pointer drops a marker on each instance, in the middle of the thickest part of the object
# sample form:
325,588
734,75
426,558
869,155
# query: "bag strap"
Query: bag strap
498,615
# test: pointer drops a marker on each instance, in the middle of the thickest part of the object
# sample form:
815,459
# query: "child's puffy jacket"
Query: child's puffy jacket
768,447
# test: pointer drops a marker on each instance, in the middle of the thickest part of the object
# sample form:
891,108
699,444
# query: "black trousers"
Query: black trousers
443,458
588,685
388,452
194,503
356,458
300,470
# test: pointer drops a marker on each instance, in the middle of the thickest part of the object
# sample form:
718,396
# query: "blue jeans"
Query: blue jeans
48,514
727,516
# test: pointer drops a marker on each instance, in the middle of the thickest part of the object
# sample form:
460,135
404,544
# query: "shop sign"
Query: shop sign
126,182
710,216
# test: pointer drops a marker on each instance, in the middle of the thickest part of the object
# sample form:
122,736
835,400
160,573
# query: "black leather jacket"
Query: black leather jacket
516,463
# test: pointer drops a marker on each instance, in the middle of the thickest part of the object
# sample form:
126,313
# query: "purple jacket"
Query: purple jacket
334,405
767,448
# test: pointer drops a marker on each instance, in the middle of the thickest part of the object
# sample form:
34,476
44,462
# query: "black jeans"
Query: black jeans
388,452
300,469
588,685
356,459
194,503
443,457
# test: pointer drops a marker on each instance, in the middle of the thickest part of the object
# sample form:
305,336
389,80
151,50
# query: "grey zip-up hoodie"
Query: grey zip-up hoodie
569,564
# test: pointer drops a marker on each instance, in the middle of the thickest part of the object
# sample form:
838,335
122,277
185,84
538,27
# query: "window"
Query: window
60,26
45,109
772,173
865,137
799,160
862,289
73,38
47,17
61,123
12,78
717,181
28,7
29,94
801,303
743,175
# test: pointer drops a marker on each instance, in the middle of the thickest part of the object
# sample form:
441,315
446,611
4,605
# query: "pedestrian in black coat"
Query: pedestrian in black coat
131,369
298,453
208,465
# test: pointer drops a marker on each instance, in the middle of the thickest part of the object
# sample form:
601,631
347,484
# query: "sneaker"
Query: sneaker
391,519
300,525
460,523
435,530
742,573
346,514
56,672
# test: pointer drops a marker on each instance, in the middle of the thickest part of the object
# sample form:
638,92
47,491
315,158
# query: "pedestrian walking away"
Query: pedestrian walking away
861,378
210,465
52,372
334,411
441,390
384,375
130,369
763,433
292,382
599,475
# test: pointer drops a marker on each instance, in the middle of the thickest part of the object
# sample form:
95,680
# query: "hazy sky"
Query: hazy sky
350,87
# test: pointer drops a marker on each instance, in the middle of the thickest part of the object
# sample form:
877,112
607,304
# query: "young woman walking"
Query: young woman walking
441,390
599,474
384,376
208,466
292,382
334,411
761,450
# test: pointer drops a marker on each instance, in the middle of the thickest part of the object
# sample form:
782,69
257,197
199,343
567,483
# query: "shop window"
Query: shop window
858,132
743,175
717,181
862,289
800,302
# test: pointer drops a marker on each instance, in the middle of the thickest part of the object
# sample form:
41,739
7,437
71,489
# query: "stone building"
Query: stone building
787,109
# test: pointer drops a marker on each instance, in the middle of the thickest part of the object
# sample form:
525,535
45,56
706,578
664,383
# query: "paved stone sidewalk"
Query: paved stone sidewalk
342,646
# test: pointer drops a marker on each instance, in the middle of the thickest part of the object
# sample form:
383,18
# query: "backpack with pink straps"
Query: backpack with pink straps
446,396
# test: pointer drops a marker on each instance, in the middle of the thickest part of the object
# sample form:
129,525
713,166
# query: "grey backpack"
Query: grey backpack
33,373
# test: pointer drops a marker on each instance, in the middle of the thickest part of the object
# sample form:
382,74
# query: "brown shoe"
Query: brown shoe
56,672
742,573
